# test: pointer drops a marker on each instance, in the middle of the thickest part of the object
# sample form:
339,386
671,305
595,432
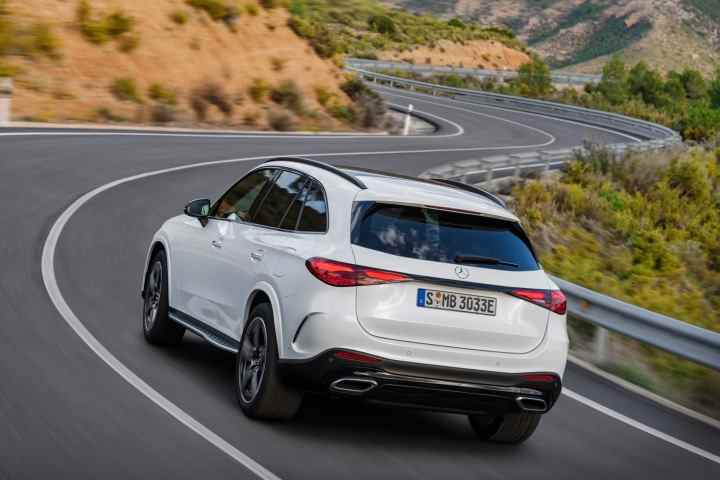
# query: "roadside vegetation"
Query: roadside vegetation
101,28
644,229
37,40
684,101
363,28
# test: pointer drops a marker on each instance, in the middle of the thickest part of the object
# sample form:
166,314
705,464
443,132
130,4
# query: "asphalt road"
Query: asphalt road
65,413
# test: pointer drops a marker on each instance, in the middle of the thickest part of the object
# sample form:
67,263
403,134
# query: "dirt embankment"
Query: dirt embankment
179,48
487,54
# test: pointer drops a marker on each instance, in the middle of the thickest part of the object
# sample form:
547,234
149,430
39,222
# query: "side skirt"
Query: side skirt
213,336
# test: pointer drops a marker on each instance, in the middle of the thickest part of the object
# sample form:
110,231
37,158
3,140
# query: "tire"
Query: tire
259,389
511,428
158,328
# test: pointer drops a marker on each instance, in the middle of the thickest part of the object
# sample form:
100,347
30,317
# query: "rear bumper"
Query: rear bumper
425,387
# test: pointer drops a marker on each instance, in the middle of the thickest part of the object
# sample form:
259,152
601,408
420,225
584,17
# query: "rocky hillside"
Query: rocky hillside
194,62
233,63
670,34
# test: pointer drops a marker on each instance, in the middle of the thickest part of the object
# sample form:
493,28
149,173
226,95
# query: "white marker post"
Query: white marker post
6,89
406,128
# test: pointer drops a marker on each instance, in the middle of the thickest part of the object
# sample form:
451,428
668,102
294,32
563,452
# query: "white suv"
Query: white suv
396,290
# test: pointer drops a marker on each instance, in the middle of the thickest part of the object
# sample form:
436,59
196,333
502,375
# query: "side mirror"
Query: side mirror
198,209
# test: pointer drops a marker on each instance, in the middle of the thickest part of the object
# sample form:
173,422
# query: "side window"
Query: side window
293,214
313,217
278,200
239,200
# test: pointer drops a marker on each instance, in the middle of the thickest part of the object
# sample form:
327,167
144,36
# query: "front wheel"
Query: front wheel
260,390
512,428
158,328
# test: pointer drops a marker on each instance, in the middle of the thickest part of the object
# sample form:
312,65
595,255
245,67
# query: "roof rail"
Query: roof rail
471,189
314,163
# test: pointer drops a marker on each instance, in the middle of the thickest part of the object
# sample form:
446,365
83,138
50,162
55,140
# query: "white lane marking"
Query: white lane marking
476,113
641,426
423,97
51,285
55,294
459,128
700,417
141,132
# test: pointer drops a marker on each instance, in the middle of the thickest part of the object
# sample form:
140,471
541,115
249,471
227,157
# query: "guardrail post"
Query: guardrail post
546,159
6,90
489,173
601,345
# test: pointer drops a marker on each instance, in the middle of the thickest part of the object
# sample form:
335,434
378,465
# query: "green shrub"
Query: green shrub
252,9
107,115
37,39
180,17
129,43
382,24
8,70
289,95
125,89
218,10
277,63
210,93
279,120
162,113
369,108
161,94
323,95
258,90
269,4
99,30
117,23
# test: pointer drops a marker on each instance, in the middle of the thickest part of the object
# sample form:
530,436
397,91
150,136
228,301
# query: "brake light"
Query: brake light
553,300
339,274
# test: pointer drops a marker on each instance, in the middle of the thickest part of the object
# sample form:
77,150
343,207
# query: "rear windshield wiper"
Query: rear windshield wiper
475,260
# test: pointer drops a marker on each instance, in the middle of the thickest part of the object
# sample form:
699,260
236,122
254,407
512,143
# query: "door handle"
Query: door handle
217,243
257,255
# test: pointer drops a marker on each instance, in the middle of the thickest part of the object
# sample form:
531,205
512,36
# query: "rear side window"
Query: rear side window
442,236
313,217
279,199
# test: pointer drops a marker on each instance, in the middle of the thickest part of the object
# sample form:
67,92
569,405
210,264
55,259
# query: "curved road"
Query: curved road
64,412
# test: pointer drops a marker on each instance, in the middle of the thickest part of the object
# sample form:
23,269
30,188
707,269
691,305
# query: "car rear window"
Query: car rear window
442,236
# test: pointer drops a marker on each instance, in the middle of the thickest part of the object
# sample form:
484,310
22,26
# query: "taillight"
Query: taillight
553,300
339,274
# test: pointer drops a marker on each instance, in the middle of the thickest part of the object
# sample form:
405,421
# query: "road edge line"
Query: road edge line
647,394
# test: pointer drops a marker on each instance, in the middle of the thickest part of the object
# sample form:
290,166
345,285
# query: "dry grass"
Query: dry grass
474,54
178,57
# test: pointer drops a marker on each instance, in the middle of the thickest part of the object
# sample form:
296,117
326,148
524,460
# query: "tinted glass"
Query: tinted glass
278,200
314,213
442,236
239,200
293,214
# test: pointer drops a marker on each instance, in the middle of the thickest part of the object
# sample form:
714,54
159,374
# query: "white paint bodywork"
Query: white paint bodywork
215,285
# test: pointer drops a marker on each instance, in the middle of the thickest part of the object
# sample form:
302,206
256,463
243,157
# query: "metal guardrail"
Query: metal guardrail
669,334
576,79
666,333
613,121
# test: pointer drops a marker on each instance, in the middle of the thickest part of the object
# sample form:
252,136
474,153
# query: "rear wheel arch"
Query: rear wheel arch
264,293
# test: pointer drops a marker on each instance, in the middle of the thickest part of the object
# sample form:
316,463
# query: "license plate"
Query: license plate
457,302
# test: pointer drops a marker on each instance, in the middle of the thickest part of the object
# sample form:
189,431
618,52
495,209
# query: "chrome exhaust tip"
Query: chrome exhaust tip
531,405
353,385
